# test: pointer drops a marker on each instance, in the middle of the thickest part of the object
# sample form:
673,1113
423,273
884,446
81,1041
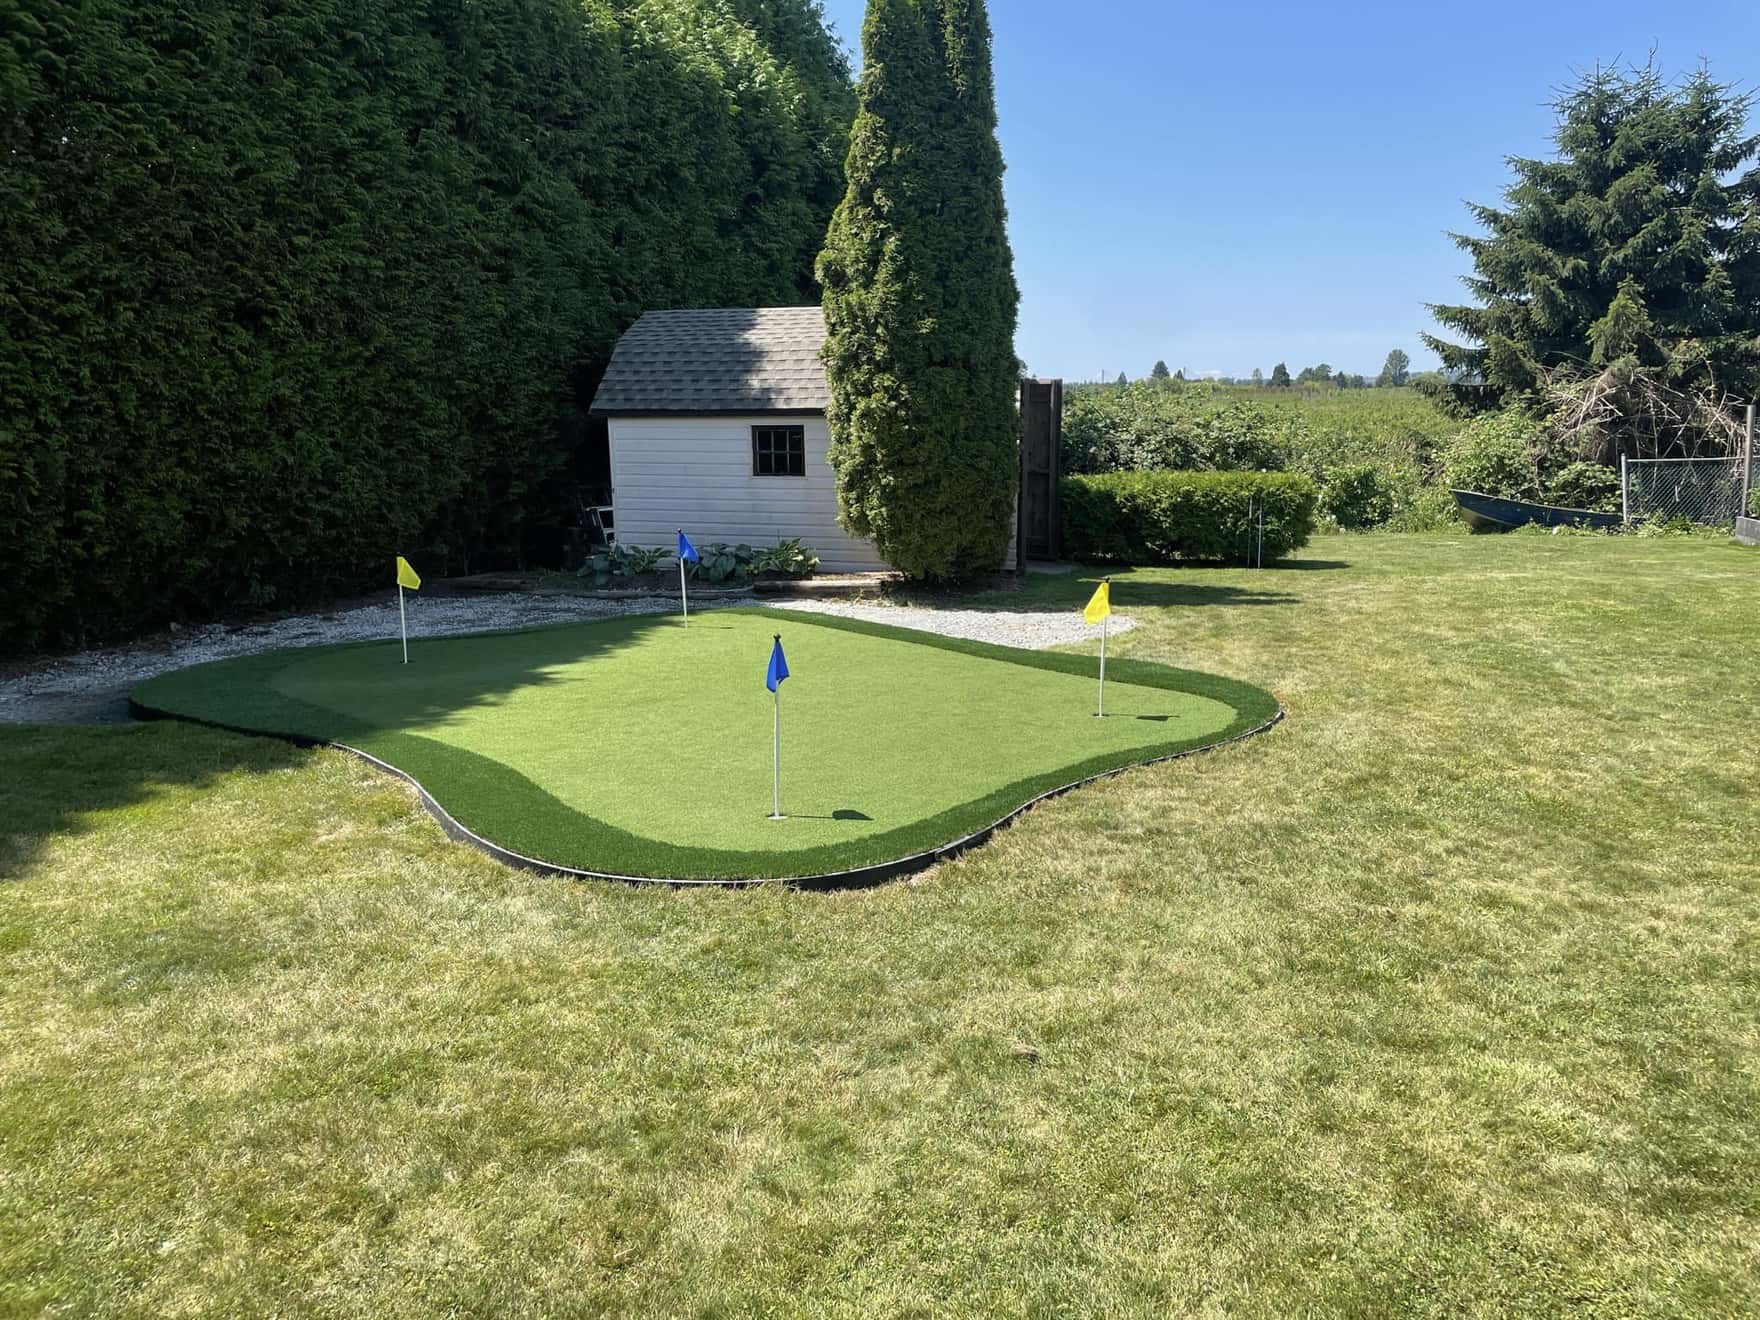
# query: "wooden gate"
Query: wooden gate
1041,440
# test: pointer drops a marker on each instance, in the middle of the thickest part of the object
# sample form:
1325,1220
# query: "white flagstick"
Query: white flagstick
403,623
1103,628
776,759
684,593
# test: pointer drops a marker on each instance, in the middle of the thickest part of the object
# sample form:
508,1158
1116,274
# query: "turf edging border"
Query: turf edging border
861,877
1256,711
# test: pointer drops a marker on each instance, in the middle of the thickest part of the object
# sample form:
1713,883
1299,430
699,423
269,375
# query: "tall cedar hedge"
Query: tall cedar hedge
288,288
920,299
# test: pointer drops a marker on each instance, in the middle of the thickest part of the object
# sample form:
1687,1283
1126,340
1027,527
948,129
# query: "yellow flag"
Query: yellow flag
407,576
1100,607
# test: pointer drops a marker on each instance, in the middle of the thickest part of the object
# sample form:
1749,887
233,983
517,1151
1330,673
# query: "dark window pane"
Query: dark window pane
779,451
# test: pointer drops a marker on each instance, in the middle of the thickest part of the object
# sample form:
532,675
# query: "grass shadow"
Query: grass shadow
62,779
479,669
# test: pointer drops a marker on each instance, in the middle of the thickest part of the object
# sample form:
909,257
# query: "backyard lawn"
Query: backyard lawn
641,746
1441,998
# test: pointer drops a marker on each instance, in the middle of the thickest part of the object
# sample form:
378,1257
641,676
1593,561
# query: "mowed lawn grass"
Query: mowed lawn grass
643,746
1440,999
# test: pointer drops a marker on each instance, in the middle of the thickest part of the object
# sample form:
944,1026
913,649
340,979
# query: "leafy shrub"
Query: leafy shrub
1658,527
622,561
1157,517
718,563
1585,486
1432,509
1146,427
1495,455
721,562
1754,503
1381,415
789,559
1358,497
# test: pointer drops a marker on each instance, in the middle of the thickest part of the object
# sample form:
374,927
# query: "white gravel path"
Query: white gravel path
92,687
1032,632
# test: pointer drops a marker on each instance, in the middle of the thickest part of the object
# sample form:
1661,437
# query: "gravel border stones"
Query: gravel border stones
92,687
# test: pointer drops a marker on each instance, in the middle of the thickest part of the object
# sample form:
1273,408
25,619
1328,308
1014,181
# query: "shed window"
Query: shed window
779,451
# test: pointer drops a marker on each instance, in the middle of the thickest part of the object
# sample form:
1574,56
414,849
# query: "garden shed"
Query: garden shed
716,422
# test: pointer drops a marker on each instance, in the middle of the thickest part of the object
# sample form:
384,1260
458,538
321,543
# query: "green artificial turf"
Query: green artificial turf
642,746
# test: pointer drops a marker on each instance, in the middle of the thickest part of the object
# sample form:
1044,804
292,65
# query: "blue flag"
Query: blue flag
778,666
687,553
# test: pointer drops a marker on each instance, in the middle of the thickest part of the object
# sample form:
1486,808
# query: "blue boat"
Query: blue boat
1494,513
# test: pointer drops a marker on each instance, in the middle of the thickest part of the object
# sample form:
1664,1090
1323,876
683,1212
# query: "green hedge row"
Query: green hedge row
1149,427
286,289
1159,517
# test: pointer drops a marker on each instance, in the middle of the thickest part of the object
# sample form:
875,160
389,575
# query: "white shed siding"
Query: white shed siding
696,473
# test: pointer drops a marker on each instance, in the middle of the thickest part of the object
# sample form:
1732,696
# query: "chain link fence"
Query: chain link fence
1701,490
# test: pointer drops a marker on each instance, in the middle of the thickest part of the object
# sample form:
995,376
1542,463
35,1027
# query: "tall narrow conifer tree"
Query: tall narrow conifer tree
920,299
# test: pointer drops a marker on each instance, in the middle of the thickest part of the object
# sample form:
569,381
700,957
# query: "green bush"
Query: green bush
789,558
720,562
1161,427
1159,517
1358,497
1432,509
287,289
1754,503
622,561
1585,486
1494,455
1377,455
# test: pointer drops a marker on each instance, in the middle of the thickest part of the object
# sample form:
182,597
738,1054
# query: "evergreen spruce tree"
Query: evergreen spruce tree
1122,379
920,299
1639,244
1160,372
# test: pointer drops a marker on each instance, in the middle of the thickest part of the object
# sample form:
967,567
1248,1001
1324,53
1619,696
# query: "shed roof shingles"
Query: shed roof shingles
718,360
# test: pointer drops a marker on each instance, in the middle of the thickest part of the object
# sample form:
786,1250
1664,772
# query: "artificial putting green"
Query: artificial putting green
642,746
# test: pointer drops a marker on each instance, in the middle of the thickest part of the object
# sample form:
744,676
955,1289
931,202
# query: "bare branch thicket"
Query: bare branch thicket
1625,410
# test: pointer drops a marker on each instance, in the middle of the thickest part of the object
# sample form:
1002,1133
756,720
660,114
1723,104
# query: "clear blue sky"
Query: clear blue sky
1227,187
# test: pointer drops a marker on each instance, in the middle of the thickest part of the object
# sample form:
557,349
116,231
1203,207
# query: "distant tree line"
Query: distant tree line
1395,374
288,288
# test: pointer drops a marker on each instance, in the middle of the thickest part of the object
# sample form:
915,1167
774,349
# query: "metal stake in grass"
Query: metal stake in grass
1099,611
774,680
